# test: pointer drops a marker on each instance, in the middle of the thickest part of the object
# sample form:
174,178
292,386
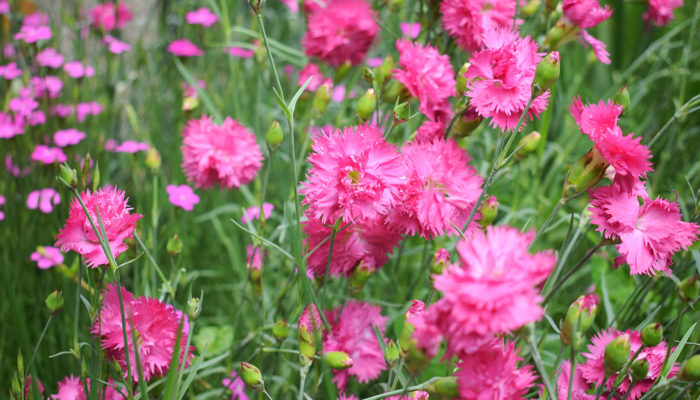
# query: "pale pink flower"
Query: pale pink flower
184,48
48,86
430,131
660,12
441,189
115,46
352,331
587,14
428,76
76,70
2,203
500,79
10,71
314,72
374,62
202,16
239,52
82,110
468,21
154,324
236,386
410,29
48,155
49,57
44,200
105,16
8,127
33,33
23,105
253,213
342,31
62,110
254,257
68,137
36,18
310,319
47,257
579,389
227,154
119,224
292,5
4,7
355,174
182,196
131,147
338,94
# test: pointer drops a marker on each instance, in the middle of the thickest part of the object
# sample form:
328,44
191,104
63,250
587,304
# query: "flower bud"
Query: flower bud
392,351
622,98
274,135
366,105
617,353
394,90
85,172
585,174
446,388
193,308
546,74
652,334
153,160
462,79
359,276
406,340
527,145
531,8
368,75
689,289
465,124
489,211
580,315
550,5
54,302
338,359
341,71
307,345
639,370
96,177
690,370
383,72
321,98
68,176
174,245
440,261
280,330
251,376
401,113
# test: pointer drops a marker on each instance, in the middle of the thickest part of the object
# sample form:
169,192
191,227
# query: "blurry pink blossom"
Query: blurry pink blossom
76,70
37,118
202,16
36,18
116,46
82,110
31,34
103,16
338,93
23,105
49,57
132,146
2,203
236,386
48,155
293,5
62,110
9,50
48,86
374,62
10,71
184,48
410,29
468,21
239,52
8,127
111,145
44,199
312,71
182,196
660,12
4,7
68,137
47,257
253,213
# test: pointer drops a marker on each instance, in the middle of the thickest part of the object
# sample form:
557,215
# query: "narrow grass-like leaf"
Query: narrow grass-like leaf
173,372
677,352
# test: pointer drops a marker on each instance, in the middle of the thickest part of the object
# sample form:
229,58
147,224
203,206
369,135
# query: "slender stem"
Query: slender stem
266,394
166,282
573,365
302,380
126,340
540,367
540,231
623,373
269,56
573,270
41,338
77,304
334,231
404,390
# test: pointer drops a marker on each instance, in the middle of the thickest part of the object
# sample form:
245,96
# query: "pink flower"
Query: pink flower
660,12
48,86
317,79
227,154
23,105
43,199
342,31
236,386
8,127
310,319
374,62
33,33
182,196
2,203
587,14
119,224
355,174
47,257
239,52
410,29
71,388
4,7
132,146
430,131
352,332
82,110
493,373
190,90
156,325
596,120
579,389
10,71
68,137
116,46
500,79
49,57
76,70
293,5
36,18
202,16
441,190
253,213
254,257
62,110
428,76
48,155
338,94
104,16
468,21
184,48
37,118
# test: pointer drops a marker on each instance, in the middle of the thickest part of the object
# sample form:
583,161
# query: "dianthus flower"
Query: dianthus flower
184,48
410,29
182,196
253,213
493,373
500,79
201,16
49,57
352,331
493,290
587,14
236,386
8,127
43,199
47,257
312,71
227,154
33,33
579,390
48,86
82,110
105,16
355,174
155,326
131,147
119,224
430,131
48,155
2,203
239,52
68,137
342,31
23,105
441,190
115,46
650,231
310,318
10,71
76,70
71,388
4,7
469,20
428,76
660,12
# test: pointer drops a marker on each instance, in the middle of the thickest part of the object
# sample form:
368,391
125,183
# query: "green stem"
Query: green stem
166,282
41,338
302,380
573,364
540,367
554,212
573,270
404,390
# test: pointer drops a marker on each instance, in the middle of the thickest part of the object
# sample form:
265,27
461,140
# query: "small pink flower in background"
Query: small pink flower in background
410,29
47,257
48,86
44,199
352,331
587,14
9,50
82,110
579,390
292,5
119,224
37,118
71,388
2,203
660,12
132,146
48,155
236,386
23,105
374,62
62,110
8,127
310,318
314,72
239,52
4,7
202,16
10,71
115,46
76,70
430,131
182,196
105,16
226,154
36,18
190,91
32,34
184,48
253,213
254,257
342,31
468,21
111,145
338,94
68,137
49,57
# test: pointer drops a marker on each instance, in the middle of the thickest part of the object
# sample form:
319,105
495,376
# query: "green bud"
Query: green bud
366,105
622,98
401,113
652,334
579,319
465,124
338,360
639,370
321,98
392,351
689,289
85,172
546,74
368,75
342,70
690,370
54,301
359,276
68,175
251,376
462,80
383,72
394,90
440,261
489,211
531,8
174,245
616,355
96,177
280,330
446,388
153,160
20,363
307,345
189,103
193,308
585,174
550,5
527,145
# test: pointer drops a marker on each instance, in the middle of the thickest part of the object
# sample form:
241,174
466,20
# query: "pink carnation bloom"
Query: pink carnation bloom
468,21
430,131
236,386
8,127
239,52
428,76
119,224
366,243
254,257
651,231
355,174
43,199
253,213
494,290
47,257
500,79
76,70
410,29
310,319
62,110
202,16
82,110
338,94
317,79
131,147
587,14
71,388
48,155
68,137
184,48
374,62
2,203
37,118
49,57
36,18
156,326
493,373
4,7
441,190
182,196
116,46
660,12
10,71
352,331
342,31
579,390
33,33
23,105
227,154
48,86
292,5
104,16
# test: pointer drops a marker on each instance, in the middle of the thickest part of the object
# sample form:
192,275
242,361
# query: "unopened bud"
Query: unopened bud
401,113
96,177
440,261
359,276
446,388
368,75
690,370
652,334
280,330
395,90
85,172
528,144
338,360
585,174
579,319
639,370
321,98
383,72
274,135
546,74
54,301
689,289
366,105
462,80
251,376
465,124
193,308
407,329
153,160
307,345
174,245
68,176
531,8
392,351
622,98
617,353
489,211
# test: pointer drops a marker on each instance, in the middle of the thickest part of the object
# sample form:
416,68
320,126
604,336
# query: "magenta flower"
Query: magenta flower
23,105
2,203
338,94
292,5
317,79
48,86
182,196
36,18
579,390
8,127
254,257
660,12
47,257
33,33
374,62
10,71
48,155
44,199
115,46
227,154
239,52
253,213
37,118
62,110
76,70
468,21
119,224
49,57
236,386
68,137
587,14
410,29
71,388
202,16
131,147
4,7
352,331
184,48
108,17
82,110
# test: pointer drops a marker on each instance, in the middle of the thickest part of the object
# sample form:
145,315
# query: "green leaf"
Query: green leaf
173,371
206,100
216,338
677,352
293,103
